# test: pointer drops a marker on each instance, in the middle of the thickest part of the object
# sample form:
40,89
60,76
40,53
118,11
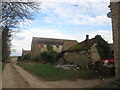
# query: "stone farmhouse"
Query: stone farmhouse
83,54
39,45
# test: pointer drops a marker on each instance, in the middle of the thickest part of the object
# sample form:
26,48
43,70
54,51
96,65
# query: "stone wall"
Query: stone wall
38,48
57,48
76,57
82,58
115,10
94,53
36,51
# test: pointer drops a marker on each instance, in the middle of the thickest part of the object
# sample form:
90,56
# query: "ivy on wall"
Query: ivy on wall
50,48
50,56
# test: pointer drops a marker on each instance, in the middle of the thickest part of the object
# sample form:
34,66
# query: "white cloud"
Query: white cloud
87,12
24,38
87,20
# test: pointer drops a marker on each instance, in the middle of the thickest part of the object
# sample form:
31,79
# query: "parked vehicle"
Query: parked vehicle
106,66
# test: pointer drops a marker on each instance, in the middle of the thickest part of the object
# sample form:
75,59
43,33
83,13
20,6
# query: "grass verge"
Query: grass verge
49,72
2,65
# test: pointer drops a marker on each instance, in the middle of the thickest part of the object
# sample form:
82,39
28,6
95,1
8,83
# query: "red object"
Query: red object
109,60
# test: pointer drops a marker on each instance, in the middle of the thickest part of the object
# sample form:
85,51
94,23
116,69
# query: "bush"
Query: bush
19,58
50,57
26,56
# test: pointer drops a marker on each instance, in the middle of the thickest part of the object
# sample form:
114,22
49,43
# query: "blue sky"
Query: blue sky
65,19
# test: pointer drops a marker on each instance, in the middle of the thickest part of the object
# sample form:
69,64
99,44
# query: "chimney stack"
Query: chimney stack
87,37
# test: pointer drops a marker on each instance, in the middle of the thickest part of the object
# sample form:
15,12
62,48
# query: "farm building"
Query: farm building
87,52
42,44
25,52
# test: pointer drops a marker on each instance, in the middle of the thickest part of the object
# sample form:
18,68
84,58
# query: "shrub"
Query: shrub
49,56
19,58
26,56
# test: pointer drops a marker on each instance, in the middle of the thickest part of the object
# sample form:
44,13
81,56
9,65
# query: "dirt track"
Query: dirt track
16,77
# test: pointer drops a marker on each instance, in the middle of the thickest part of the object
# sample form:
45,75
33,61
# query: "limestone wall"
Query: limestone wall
82,58
57,48
79,58
38,48
94,53
115,10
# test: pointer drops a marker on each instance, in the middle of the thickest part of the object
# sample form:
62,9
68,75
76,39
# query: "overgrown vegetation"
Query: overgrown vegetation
26,56
49,72
49,56
82,46
50,48
102,46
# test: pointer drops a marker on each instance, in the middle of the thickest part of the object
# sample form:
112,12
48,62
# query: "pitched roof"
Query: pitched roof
86,44
50,41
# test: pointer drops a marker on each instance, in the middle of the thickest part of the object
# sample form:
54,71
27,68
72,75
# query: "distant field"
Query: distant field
49,72
12,57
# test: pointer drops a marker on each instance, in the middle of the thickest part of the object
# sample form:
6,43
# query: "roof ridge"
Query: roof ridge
54,38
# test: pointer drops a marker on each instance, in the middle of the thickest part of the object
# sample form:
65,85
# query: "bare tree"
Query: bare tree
15,12
12,14
6,43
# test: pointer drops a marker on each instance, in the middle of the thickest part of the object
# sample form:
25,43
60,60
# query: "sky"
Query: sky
65,19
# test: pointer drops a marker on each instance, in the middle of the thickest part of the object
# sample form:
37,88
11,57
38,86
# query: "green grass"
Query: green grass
49,72
12,57
2,65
